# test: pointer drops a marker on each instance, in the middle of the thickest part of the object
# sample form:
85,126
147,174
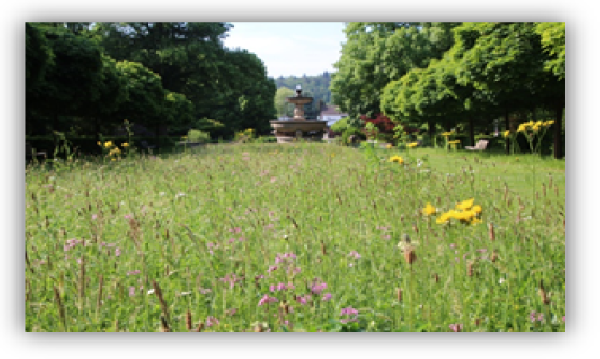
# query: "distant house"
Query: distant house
331,114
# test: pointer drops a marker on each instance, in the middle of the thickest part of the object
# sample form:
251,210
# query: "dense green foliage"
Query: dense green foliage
88,78
317,85
454,74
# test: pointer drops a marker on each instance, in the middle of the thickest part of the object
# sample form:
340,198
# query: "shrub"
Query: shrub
341,125
352,131
198,136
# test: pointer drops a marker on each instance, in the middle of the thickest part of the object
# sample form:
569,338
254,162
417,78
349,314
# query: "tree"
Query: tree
504,63
553,41
377,53
72,82
38,55
144,102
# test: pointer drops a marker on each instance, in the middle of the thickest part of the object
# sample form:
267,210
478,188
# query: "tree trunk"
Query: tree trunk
472,131
157,136
97,130
507,123
431,129
558,132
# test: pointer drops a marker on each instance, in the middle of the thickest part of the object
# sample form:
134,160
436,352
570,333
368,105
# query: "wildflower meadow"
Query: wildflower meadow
302,237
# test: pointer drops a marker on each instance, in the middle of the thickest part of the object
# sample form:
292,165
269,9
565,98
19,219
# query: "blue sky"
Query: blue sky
290,48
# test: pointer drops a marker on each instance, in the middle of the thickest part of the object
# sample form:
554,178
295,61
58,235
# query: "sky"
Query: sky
290,48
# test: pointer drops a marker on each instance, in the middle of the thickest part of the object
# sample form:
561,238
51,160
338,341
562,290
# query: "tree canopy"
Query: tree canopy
154,74
451,73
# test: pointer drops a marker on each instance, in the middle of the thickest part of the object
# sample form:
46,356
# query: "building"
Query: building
331,114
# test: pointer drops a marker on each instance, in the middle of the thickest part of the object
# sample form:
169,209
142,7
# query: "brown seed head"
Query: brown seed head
164,326
410,255
494,256
470,269
188,320
491,231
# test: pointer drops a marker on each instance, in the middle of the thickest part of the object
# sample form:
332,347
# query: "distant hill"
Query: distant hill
315,86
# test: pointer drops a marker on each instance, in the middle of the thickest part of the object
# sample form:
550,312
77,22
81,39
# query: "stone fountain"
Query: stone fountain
299,127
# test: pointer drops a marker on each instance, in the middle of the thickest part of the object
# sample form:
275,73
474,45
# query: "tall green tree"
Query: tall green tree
283,107
504,63
72,82
378,53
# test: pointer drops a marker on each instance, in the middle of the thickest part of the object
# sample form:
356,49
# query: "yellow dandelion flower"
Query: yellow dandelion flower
477,209
413,144
506,133
99,143
388,146
398,159
444,218
113,159
108,144
476,221
429,210
466,204
125,144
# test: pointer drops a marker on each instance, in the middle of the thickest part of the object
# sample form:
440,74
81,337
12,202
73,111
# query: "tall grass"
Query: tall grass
323,237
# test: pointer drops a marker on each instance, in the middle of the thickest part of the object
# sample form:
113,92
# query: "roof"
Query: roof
332,111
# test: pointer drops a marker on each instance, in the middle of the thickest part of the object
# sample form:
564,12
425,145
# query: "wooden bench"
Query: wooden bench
479,146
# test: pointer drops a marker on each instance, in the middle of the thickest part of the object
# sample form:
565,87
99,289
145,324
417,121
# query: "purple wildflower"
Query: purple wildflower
117,252
128,216
354,254
272,268
236,230
210,321
266,300
452,245
303,299
131,291
318,288
137,271
387,236
349,311
94,216
456,327
326,297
